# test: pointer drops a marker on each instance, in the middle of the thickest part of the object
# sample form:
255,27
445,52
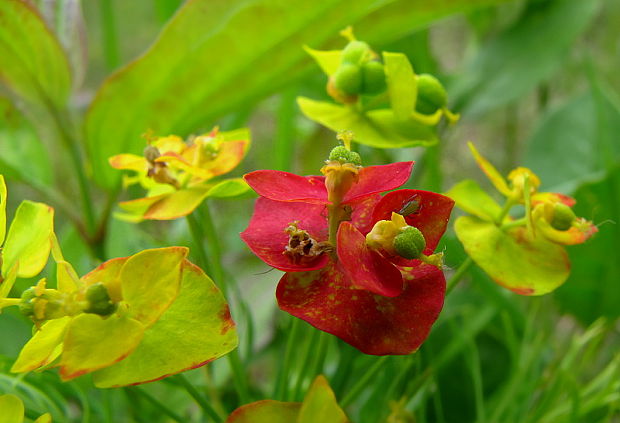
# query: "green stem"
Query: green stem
160,406
214,248
363,381
239,378
507,206
304,363
281,383
458,275
514,223
193,392
196,232
108,29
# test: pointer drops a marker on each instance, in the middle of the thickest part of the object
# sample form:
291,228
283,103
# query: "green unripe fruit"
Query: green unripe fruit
563,217
99,301
26,305
409,243
342,155
355,158
373,78
355,52
431,94
348,79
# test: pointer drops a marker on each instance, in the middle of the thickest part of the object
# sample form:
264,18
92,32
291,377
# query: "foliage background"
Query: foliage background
536,83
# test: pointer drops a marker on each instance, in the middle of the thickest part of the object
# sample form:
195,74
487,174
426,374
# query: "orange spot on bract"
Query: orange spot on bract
228,322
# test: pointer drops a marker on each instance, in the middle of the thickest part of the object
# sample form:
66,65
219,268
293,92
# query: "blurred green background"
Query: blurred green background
536,83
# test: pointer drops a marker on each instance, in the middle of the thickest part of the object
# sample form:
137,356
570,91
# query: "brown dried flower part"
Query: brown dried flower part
302,248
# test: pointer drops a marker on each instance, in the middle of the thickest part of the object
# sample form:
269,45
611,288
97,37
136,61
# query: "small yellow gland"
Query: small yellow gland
517,179
382,235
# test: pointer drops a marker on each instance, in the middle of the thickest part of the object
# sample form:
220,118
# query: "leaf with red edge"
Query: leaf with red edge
425,210
129,162
44,346
375,179
266,237
285,186
515,260
198,323
365,268
266,411
372,323
93,342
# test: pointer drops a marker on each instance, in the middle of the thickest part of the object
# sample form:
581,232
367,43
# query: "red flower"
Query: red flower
371,298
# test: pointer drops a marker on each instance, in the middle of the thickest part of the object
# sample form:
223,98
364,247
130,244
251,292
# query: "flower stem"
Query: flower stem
193,392
281,383
363,381
507,205
514,223
458,275
304,363
196,232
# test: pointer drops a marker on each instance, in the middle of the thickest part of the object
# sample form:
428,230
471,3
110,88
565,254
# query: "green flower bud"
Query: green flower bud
373,78
563,217
26,305
355,52
431,94
99,301
348,79
409,243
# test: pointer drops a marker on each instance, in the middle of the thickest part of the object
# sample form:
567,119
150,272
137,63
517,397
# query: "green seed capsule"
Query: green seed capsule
355,158
99,301
563,217
355,52
26,305
409,243
431,94
373,78
348,79
340,154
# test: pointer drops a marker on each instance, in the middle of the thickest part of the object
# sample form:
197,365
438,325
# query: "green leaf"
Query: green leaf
43,348
320,405
512,258
190,77
469,197
93,342
266,411
573,136
197,323
3,196
377,128
515,62
150,282
328,60
12,409
229,188
401,83
28,241
592,288
24,156
32,62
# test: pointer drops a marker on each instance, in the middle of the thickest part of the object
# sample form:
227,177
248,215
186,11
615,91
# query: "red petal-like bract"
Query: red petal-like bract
365,268
285,186
427,211
374,324
266,237
375,179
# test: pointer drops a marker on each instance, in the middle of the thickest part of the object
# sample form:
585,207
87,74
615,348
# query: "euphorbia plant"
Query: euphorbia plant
125,321
526,254
179,175
384,102
358,265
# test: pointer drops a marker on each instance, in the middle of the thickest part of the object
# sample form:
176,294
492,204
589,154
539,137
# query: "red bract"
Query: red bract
378,302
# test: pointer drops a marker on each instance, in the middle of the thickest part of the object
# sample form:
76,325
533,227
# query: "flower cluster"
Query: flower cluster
525,254
179,175
358,265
